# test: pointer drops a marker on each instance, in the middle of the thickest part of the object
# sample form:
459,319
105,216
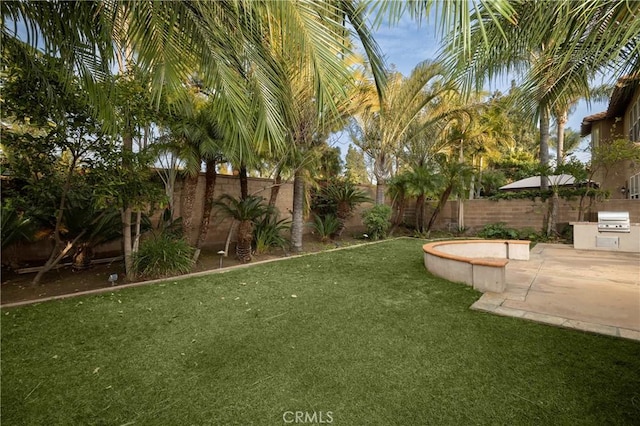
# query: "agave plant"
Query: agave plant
245,211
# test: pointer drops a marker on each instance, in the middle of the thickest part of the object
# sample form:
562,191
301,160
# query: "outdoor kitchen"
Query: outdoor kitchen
613,232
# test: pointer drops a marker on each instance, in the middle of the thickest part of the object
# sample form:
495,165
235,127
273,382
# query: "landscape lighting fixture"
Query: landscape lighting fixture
221,253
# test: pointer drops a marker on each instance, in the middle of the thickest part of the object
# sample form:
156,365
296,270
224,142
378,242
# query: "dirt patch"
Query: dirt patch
17,287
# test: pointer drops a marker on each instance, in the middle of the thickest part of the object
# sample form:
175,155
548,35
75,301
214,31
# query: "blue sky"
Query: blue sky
406,44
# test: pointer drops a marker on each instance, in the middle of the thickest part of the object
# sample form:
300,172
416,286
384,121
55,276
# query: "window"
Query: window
634,187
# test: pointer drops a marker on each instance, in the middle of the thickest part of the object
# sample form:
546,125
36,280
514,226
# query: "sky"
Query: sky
406,44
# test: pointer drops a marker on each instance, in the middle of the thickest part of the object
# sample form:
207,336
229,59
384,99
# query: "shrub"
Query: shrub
325,226
246,211
268,232
498,231
528,234
377,220
163,255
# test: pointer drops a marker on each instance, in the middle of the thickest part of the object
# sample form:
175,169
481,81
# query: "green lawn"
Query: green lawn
370,337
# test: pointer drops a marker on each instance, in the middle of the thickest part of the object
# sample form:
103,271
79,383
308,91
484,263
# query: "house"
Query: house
621,120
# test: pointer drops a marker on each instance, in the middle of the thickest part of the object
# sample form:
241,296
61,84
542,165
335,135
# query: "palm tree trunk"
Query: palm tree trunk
188,199
380,187
245,238
401,205
553,213
343,211
275,189
420,213
561,121
544,144
297,221
443,199
244,182
209,190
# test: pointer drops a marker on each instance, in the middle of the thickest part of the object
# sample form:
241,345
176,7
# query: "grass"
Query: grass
370,336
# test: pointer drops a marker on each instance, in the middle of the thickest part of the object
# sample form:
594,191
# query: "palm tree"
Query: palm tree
456,180
381,129
422,180
196,138
228,43
558,46
398,190
561,110
346,197
245,211
571,142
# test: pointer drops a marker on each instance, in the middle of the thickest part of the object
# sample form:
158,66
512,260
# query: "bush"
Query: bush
498,231
163,255
325,226
268,233
377,220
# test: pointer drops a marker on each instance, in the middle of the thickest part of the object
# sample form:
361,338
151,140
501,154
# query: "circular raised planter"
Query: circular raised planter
478,263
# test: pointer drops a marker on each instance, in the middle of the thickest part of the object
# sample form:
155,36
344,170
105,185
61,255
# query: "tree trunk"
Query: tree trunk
188,200
297,222
136,239
561,121
343,211
275,189
57,248
54,260
544,144
127,142
380,187
244,182
123,53
126,239
245,238
553,214
401,205
420,213
82,257
443,199
209,190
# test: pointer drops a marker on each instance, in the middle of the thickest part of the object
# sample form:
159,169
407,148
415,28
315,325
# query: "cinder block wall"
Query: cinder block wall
225,184
524,213
519,214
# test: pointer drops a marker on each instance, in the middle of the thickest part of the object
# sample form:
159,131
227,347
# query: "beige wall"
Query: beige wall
610,129
515,213
523,213
225,184
219,225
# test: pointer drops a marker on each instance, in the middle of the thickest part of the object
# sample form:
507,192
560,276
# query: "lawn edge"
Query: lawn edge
187,276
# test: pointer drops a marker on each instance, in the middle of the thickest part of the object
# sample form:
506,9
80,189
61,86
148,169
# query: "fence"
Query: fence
521,213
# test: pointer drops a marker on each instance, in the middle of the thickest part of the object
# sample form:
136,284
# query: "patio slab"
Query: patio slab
585,290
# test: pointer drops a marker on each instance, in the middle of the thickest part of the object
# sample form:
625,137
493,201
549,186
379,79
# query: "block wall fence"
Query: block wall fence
524,213
521,213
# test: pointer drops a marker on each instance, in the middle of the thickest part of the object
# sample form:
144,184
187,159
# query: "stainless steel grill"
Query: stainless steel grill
614,222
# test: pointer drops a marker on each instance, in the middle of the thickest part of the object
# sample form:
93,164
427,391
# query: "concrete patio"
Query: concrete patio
592,291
